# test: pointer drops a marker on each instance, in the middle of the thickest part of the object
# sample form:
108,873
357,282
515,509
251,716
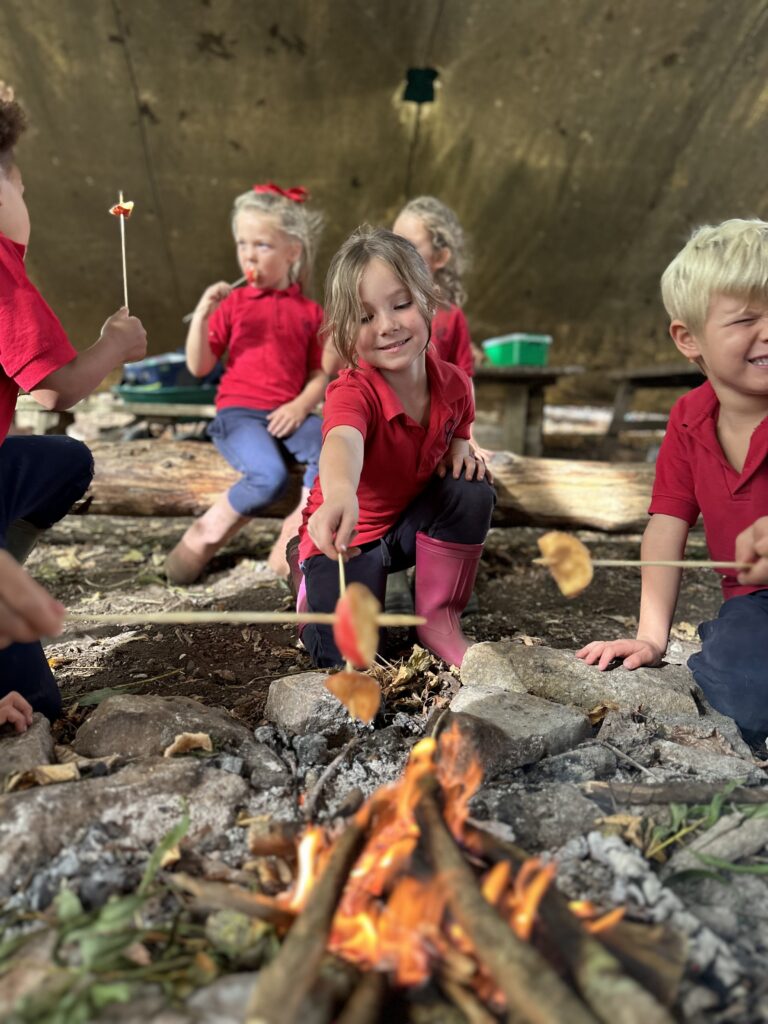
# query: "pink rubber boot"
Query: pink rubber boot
445,576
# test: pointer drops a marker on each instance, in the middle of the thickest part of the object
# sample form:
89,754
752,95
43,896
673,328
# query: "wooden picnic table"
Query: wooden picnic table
516,395
629,381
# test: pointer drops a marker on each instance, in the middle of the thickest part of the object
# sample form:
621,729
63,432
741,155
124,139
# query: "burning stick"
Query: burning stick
571,564
123,209
533,990
285,983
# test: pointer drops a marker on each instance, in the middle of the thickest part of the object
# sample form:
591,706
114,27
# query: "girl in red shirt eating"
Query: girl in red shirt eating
273,378
397,477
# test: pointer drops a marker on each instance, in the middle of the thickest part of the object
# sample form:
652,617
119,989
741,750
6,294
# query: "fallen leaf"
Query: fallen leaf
134,555
42,775
359,694
628,826
599,711
188,741
170,857
68,561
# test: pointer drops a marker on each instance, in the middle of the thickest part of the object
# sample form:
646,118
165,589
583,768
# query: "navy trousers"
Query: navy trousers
40,479
242,437
732,666
454,510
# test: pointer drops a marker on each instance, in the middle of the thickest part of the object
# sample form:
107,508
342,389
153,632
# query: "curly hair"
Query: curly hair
13,121
295,220
445,232
343,309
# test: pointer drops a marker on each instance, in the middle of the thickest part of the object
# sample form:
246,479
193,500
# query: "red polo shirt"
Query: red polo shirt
400,455
32,341
451,338
272,345
694,476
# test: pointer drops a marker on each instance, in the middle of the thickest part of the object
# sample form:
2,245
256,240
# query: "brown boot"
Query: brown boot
202,540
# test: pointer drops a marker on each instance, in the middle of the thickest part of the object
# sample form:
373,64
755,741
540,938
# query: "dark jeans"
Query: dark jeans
732,666
242,437
40,479
453,510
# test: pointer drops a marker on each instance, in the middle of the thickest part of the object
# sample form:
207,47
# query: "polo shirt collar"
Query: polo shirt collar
18,246
701,424
449,385
261,293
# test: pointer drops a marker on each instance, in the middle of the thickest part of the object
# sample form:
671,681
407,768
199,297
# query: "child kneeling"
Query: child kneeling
397,478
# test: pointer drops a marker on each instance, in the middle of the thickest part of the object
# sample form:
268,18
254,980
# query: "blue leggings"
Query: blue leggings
40,479
242,437
732,666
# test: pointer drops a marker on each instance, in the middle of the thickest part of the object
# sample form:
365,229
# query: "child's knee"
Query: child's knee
79,459
473,497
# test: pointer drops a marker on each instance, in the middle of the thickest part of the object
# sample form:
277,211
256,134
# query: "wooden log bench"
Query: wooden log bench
629,382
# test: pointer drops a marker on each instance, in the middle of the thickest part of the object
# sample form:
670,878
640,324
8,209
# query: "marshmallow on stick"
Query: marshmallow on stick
123,209
571,564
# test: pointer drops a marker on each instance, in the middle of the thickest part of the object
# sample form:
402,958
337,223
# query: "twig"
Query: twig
625,757
188,316
673,792
121,218
533,990
225,896
311,802
192,617
284,984
365,1004
613,563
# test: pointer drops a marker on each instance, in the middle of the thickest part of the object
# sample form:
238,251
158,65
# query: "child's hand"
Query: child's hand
752,546
212,297
333,526
462,460
633,652
127,334
27,611
286,418
14,709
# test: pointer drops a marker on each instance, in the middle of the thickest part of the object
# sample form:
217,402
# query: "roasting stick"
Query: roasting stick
122,210
233,618
614,563
233,284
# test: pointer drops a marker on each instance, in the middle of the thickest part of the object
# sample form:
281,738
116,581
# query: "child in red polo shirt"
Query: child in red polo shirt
273,378
40,477
714,462
397,476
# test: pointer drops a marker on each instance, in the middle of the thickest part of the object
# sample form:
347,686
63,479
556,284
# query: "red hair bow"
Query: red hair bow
299,194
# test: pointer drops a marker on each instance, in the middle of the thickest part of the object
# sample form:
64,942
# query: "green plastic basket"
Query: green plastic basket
518,349
158,393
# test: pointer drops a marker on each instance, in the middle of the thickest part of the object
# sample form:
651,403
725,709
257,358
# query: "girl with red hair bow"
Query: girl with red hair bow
273,380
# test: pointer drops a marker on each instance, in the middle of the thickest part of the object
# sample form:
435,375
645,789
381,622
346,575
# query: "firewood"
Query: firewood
611,793
365,1004
598,963
181,478
224,896
284,984
534,992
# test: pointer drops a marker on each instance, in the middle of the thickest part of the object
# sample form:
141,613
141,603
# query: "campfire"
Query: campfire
414,892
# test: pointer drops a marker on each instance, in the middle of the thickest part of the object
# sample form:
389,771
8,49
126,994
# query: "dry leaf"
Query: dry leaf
599,711
170,856
359,694
628,826
356,630
188,741
568,560
42,775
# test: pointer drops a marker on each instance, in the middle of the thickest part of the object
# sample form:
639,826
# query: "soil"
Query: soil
112,564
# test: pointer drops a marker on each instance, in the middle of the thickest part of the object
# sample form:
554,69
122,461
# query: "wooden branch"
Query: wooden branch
180,478
284,984
609,793
365,1004
599,972
226,896
534,991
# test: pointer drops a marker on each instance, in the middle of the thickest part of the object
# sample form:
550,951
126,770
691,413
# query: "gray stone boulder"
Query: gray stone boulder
302,704
558,676
530,728
21,751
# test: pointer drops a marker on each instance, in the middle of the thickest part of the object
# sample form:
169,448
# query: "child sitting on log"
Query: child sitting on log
397,476
40,477
713,462
273,379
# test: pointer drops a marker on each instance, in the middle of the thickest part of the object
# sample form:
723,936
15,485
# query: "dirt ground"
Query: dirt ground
111,564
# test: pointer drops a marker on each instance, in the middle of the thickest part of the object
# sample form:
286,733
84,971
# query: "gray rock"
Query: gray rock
544,818
581,765
142,800
141,726
704,764
711,731
559,676
732,838
22,751
488,664
223,1002
302,704
533,728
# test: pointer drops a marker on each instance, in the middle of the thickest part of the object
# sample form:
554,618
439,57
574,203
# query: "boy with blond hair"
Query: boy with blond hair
713,462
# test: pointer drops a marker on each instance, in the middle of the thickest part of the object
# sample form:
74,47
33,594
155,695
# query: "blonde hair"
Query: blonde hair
294,219
731,258
343,308
445,232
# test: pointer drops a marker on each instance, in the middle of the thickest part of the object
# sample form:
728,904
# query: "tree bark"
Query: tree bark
178,478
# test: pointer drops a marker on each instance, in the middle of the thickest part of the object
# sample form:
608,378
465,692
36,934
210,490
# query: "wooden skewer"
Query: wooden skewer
122,243
233,284
198,617
613,563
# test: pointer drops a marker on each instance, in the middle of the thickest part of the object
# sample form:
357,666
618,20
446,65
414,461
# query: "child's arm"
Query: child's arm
332,526
288,417
122,340
27,611
332,361
752,546
200,357
664,539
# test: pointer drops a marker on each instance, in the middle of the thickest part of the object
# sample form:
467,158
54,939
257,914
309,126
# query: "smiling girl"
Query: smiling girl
397,477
